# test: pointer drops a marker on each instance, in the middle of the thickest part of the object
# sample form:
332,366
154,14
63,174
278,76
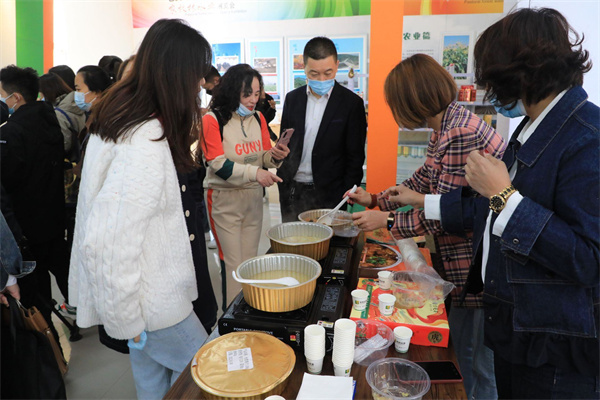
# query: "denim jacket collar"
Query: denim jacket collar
550,126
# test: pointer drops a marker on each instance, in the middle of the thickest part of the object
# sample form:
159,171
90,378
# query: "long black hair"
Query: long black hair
163,84
226,95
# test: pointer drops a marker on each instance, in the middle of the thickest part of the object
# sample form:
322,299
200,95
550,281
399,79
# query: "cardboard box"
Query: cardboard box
428,323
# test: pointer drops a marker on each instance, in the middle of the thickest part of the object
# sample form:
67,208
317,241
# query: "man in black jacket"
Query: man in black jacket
327,149
31,155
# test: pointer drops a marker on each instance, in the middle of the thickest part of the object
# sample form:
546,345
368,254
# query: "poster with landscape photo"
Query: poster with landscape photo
266,65
455,53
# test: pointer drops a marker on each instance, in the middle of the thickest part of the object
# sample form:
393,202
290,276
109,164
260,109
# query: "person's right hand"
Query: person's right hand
405,196
361,196
266,178
13,290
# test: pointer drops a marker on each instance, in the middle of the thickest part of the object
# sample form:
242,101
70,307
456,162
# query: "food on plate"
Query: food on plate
376,255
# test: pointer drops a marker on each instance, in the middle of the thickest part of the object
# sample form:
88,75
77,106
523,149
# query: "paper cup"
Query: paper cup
402,334
275,397
386,304
314,366
385,280
314,341
341,370
359,299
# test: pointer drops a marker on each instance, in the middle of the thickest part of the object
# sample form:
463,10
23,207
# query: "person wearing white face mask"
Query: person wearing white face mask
328,145
236,146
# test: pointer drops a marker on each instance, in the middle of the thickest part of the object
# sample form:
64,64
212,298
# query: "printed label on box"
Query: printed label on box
239,359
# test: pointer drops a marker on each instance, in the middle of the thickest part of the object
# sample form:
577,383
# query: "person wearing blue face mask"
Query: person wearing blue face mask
514,110
236,148
31,174
327,150
90,82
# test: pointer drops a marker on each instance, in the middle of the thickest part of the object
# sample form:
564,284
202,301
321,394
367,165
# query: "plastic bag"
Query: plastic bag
414,261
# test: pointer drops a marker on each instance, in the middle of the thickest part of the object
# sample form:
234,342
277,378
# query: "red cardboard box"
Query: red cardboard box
428,323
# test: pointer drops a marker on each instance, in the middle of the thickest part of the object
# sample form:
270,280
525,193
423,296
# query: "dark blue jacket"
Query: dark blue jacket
542,278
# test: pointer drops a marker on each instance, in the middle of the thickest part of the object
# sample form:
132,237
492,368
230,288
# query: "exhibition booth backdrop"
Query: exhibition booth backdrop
371,36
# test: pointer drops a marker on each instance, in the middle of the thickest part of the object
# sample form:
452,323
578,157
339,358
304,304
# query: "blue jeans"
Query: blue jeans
476,361
546,382
166,353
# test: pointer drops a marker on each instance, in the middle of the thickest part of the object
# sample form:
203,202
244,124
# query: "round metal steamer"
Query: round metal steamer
317,250
280,298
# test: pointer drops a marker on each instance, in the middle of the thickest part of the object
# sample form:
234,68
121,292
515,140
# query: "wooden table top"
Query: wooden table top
186,388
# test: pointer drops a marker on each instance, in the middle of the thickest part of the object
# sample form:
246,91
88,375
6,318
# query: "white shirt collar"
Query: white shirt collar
530,127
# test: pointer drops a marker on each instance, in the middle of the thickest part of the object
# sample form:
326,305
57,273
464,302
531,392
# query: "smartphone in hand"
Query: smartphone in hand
285,136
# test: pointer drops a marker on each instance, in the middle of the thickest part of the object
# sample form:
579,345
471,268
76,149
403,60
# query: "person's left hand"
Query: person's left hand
370,220
13,290
280,151
272,103
486,174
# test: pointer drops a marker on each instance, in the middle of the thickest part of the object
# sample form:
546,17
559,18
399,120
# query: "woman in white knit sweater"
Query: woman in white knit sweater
131,264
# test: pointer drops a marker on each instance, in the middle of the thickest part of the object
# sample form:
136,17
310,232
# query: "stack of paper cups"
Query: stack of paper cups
314,348
344,332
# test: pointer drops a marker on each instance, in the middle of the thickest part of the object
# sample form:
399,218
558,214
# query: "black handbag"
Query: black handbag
29,366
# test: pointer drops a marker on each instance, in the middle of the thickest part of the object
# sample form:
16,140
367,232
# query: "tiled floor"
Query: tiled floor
97,372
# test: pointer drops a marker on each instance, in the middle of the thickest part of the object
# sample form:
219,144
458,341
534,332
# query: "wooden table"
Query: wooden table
186,388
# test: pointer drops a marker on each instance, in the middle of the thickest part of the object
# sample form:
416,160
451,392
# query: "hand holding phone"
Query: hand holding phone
285,136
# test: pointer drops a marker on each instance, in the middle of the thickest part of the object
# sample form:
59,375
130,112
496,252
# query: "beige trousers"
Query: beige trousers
236,221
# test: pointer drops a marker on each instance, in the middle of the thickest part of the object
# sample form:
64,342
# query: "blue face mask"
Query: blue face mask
321,87
517,111
80,101
11,110
243,111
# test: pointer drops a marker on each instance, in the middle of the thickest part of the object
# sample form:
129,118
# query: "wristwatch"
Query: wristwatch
498,201
390,221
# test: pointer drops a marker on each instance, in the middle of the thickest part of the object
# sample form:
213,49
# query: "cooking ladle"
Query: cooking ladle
327,219
286,281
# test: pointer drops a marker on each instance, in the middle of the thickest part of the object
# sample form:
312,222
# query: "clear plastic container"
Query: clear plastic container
373,338
397,378
412,289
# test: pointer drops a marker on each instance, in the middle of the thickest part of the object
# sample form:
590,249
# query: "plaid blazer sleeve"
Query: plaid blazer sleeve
442,172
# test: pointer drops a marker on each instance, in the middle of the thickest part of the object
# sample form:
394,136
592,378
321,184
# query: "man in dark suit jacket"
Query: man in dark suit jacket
31,173
327,149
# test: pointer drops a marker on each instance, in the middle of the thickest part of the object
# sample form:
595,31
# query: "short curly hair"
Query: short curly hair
528,55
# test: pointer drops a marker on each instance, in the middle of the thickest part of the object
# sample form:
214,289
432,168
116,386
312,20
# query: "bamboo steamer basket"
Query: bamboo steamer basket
278,298
317,250
273,362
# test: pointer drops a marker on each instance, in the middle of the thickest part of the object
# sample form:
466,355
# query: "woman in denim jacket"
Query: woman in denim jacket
538,250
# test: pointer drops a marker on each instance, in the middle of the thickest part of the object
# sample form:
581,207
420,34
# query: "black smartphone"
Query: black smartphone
441,371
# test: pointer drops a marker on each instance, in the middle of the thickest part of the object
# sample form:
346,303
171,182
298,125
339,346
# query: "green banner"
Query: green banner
30,34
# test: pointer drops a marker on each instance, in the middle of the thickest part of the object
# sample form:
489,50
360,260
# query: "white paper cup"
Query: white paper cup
341,369
359,299
385,279
314,341
386,304
275,397
314,366
402,334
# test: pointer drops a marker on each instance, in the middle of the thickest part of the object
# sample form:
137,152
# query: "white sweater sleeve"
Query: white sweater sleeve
130,196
